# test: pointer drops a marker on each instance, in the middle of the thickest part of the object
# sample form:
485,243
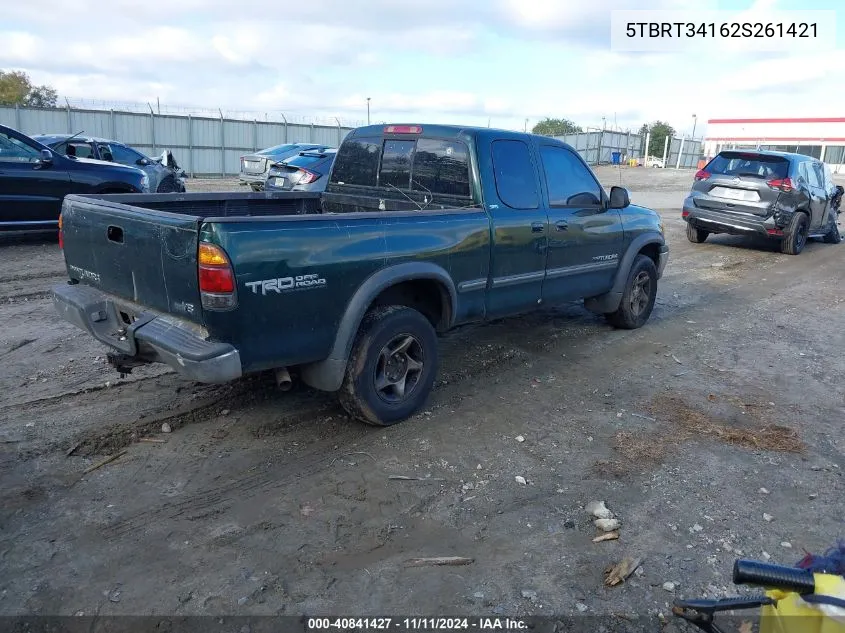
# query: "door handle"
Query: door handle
561,225
538,227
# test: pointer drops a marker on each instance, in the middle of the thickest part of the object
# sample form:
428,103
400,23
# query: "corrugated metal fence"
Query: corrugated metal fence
203,146
598,147
690,150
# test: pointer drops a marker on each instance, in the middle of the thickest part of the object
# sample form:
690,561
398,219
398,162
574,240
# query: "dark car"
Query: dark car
307,171
254,167
165,175
34,180
782,196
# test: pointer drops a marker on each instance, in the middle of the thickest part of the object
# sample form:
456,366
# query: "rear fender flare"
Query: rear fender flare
609,301
327,375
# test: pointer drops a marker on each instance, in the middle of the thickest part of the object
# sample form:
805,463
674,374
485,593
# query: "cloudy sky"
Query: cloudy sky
461,61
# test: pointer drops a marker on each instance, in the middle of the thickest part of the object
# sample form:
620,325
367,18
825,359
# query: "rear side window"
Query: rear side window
357,162
748,165
516,183
441,167
569,182
812,175
396,164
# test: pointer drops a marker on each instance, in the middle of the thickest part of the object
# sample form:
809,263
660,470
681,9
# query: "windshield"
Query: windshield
748,165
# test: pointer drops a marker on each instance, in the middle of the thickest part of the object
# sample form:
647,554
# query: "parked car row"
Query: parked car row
165,175
255,168
34,179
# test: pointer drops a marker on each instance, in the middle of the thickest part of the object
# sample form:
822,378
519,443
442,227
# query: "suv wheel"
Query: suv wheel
696,236
392,366
795,235
832,236
638,296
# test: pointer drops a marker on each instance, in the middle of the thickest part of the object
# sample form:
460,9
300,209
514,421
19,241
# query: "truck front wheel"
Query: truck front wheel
392,366
637,297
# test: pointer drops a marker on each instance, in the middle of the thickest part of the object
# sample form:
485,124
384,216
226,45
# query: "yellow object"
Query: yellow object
793,615
211,255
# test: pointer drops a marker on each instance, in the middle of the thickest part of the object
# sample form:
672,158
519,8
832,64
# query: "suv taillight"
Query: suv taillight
216,278
702,175
61,235
784,184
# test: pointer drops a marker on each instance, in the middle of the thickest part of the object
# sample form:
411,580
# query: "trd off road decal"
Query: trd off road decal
286,284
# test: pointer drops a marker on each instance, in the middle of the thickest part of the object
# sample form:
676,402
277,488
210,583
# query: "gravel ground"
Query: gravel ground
711,433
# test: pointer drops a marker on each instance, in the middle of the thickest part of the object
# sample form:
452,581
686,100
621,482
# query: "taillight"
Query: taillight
61,236
403,129
784,184
702,175
216,278
306,177
684,214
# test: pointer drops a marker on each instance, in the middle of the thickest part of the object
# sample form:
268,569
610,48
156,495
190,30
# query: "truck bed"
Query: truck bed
219,205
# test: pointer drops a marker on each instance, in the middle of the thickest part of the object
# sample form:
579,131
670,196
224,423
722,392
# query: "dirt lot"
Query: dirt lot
714,431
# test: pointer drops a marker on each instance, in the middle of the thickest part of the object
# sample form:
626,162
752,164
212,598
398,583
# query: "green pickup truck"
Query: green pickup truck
421,228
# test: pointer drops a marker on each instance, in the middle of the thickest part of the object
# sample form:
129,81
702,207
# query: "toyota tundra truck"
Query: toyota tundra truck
421,228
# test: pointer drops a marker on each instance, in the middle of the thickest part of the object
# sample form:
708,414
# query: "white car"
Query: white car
654,161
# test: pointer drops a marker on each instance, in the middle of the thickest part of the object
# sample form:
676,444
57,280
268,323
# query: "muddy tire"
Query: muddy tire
795,235
168,185
696,236
832,236
392,366
638,296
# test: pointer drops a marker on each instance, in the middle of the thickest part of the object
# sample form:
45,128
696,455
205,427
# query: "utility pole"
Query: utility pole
694,121
525,129
368,110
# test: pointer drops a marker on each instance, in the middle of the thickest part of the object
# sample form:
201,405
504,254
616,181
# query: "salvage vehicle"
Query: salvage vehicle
782,196
254,167
165,175
307,171
34,180
420,229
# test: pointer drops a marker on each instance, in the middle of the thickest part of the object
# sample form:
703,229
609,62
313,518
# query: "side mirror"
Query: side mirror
143,162
619,198
46,158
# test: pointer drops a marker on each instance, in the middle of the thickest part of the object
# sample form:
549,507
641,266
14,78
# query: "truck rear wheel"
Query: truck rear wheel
392,366
637,297
696,236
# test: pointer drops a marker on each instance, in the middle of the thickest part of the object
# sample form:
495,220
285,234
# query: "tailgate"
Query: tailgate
146,256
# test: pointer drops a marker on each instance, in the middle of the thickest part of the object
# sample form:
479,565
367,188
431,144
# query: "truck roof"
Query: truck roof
443,131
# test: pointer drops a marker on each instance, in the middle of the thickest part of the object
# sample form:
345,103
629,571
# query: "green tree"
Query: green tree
16,88
659,131
555,127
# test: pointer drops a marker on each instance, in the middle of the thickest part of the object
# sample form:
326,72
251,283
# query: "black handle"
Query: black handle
538,227
115,234
753,572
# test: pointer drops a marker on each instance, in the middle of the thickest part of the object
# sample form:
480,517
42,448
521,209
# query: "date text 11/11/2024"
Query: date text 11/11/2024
416,624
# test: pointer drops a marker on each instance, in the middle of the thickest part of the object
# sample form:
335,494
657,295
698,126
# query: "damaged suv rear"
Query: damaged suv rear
774,194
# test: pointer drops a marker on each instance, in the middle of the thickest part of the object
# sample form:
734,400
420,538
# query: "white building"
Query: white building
823,138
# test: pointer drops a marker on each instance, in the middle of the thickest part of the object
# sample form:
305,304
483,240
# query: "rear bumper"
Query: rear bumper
734,223
150,338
